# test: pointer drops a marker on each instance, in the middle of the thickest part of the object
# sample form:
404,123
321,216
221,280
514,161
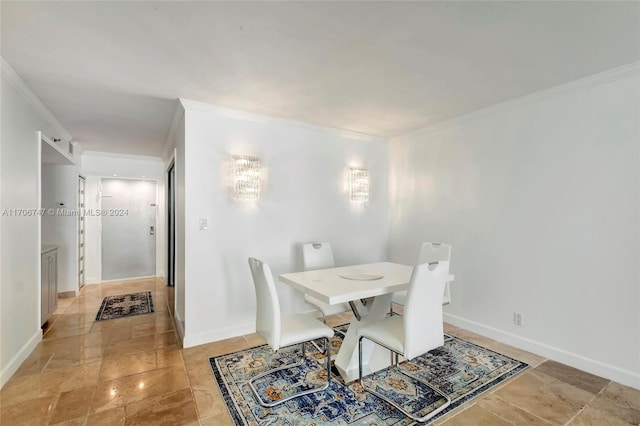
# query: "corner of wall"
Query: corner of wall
13,365
24,177
170,141
196,339
179,325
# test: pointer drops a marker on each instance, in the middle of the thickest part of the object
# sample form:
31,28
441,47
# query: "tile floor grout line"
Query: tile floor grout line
50,327
456,412
505,383
576,387
47,363
517,406
497,415
93,395
600,392
54,404
186,372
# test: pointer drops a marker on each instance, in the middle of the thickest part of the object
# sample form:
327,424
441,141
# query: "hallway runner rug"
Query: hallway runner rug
460,369
125,305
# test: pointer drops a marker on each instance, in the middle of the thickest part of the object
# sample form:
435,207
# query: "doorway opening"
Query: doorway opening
128,214
171,226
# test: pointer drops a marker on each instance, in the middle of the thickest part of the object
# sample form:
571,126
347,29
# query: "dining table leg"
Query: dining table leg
374,357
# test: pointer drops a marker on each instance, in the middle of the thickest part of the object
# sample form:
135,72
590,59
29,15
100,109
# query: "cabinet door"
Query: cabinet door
53,281
44,289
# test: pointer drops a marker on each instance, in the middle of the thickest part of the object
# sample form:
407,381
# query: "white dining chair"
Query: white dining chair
429,252
418,331
320,256
280,331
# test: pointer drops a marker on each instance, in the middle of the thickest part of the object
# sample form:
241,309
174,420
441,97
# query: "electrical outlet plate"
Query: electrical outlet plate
518,319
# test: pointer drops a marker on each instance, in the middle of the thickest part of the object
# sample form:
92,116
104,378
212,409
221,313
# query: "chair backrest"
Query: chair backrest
434,252
267,303
423,329
317,256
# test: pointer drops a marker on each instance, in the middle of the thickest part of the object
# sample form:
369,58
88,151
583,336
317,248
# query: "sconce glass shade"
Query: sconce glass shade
359,185
246,178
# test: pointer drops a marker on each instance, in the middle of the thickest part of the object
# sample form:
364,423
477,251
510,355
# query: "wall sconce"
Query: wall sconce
246,178
359,185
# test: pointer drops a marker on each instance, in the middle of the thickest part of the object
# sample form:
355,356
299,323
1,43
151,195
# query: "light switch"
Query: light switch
203,225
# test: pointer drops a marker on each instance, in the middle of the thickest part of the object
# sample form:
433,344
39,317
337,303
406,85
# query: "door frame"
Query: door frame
170,202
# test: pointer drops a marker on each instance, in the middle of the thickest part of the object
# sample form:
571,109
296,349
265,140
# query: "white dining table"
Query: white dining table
354,283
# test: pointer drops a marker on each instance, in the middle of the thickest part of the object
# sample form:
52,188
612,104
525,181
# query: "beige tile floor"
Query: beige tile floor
133,371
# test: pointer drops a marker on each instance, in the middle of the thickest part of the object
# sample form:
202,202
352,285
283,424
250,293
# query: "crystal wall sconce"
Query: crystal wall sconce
246,178
359,185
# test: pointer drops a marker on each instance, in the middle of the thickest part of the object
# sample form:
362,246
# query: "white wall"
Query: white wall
22,116
304,199
60,185
540,199
95,166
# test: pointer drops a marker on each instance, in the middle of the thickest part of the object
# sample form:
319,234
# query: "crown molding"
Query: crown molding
9,75
600,79
122,156
190,105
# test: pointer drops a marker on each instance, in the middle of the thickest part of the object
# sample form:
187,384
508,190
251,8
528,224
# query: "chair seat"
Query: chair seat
300,328
399,298
389,332
325,308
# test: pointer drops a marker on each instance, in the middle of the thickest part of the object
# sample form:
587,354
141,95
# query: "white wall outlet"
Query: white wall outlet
518,319
203,225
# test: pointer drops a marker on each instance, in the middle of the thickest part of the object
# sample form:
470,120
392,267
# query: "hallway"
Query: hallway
96,373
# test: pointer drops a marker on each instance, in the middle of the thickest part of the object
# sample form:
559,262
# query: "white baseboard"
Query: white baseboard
19,358
226,333
611,372
91,280
129,279
213,336
97,280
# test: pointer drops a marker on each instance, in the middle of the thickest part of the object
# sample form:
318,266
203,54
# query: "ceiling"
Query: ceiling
111,71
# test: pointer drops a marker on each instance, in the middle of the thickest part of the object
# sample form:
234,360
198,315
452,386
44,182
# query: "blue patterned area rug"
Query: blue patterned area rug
125,305
460,369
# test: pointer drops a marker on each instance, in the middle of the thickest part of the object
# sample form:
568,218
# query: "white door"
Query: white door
128,229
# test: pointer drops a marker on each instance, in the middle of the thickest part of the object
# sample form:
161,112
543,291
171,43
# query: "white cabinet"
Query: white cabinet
49,282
